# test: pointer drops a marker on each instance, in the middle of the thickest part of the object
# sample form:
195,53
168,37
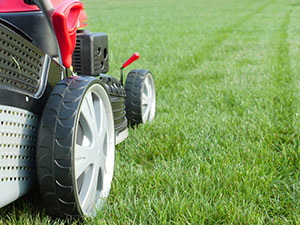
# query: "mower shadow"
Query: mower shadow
29,210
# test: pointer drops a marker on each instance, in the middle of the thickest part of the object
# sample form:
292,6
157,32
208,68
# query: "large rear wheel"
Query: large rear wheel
76,148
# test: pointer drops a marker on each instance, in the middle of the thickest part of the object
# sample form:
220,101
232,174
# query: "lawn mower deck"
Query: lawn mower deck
60,114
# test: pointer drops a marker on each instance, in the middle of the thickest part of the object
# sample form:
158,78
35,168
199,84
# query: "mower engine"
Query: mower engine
91,53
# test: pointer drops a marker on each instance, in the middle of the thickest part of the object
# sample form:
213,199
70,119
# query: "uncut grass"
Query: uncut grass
224,146
229,151
229,144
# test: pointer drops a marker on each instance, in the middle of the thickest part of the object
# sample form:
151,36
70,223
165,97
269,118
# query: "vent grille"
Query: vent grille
90,56
98,64
21,63
77,56
18,135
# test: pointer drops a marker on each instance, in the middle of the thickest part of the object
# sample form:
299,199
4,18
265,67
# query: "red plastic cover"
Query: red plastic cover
66,21
20,6
16,6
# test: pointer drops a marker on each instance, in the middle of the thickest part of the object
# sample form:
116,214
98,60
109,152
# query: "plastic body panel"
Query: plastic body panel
21,84
90,56
18,133
21,6
36,26
23,66
16,6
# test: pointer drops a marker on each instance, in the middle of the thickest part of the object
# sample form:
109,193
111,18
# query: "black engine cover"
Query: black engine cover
90,56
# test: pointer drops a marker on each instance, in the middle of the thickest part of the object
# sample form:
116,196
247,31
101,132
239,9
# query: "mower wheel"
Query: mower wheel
140,97
76,148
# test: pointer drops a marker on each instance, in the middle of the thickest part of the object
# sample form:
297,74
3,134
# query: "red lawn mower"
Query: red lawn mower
60,114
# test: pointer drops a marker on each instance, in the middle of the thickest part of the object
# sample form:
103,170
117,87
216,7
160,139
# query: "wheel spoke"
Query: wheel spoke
109,166
106,181
149,88
104,156
103,120
145,99
103,143
82,164
146,113
90,197
89,101
152,112
106,160
148,100
145,89
85,112
88,112
81,152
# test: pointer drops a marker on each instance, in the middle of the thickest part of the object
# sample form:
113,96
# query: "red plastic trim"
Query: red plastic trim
7,6
133,58
55,3
66,21
16,6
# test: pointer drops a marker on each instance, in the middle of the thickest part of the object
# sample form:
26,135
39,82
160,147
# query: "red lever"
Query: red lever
133,58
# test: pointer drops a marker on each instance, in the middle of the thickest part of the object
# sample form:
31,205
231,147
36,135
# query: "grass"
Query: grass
224,146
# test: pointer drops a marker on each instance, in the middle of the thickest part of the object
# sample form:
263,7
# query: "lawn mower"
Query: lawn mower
61,115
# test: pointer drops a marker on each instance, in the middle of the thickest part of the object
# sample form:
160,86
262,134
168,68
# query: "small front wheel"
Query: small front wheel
140,97
76,148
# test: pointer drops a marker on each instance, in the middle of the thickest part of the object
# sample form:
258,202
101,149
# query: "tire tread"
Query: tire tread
56,132
133,87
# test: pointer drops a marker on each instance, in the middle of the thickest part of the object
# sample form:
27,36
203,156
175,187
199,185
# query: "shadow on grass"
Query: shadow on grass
29,210
31,204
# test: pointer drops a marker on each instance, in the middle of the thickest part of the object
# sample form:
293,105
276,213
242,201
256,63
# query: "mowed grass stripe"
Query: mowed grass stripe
222,178
283,137
198,57
283,84
237,176
198,83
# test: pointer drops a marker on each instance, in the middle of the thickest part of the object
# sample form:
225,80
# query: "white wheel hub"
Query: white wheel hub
148,99
94,152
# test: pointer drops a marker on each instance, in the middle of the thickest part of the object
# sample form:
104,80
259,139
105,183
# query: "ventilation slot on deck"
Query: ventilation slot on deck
21,63
18,135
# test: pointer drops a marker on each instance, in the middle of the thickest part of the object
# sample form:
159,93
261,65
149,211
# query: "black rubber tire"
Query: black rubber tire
134,86
55,168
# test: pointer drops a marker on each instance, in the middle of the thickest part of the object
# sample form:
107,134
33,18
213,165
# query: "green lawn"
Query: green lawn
224,147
